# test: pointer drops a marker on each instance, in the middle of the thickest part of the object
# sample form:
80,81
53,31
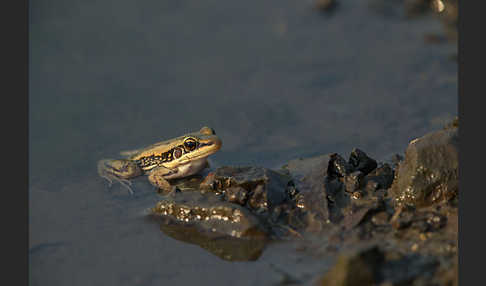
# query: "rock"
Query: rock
338,167
309,177
327,183
208,213
429,173
380,178
357,214
237,195
361,162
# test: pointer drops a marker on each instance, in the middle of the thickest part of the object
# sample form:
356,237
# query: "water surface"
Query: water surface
275,79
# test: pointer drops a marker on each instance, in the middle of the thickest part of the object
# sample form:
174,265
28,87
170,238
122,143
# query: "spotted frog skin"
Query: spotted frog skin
171,159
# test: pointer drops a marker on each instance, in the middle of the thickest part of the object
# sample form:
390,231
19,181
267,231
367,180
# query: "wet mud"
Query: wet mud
384,223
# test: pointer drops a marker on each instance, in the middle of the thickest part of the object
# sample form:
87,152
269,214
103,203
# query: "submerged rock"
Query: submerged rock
429,173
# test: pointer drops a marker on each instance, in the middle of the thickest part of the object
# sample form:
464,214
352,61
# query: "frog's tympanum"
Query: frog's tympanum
175,158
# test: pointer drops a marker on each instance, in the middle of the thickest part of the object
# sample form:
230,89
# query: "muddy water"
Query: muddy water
275,79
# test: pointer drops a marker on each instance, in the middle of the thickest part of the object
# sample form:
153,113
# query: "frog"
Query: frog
175,158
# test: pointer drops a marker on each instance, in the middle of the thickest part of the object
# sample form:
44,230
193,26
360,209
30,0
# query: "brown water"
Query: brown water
275,79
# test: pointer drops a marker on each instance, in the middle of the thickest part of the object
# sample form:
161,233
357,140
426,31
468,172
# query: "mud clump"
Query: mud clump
333,190
257,188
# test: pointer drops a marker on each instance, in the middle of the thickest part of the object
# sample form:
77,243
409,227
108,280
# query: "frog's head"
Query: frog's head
195,146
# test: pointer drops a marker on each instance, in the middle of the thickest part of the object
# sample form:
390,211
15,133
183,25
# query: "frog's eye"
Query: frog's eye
190,144
177,153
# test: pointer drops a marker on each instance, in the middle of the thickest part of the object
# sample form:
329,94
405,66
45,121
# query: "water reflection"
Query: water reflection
225,247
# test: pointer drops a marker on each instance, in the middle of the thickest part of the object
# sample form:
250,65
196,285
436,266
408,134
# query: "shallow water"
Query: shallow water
275,79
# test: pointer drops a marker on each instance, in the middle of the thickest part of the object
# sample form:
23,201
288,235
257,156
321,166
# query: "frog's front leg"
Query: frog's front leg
119,170
157,178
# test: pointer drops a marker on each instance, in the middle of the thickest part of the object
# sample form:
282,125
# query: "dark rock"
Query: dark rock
382,177
429,173
338,167
208,213
361,162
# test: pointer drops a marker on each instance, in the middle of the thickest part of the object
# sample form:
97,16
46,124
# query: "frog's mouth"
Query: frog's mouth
206,144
